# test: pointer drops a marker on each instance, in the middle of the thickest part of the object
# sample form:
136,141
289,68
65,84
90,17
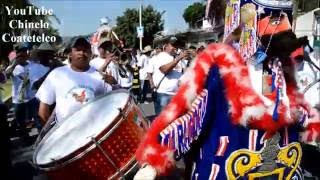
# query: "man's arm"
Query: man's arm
10,68
152,86
108,59
44,112
165,69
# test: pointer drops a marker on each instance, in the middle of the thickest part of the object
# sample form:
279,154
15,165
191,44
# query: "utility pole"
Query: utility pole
295,7
140,23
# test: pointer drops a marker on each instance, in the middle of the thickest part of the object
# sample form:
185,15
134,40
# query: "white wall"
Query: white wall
304,25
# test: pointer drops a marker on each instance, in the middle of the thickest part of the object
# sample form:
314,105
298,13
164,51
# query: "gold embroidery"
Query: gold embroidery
271,160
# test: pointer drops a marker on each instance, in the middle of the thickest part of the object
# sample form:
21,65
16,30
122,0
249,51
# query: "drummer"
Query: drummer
72,86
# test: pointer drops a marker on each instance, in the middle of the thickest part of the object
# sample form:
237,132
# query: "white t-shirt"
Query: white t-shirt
70,89
2,82
33,72
151,65
125,81
112,68
143,63
36,72
97,62
306,76
169,84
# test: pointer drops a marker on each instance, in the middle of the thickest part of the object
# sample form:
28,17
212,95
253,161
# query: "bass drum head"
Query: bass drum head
77,130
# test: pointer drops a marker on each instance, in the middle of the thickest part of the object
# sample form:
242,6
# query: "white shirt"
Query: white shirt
112,68
306,76
66,61
169,84
152,64
143,63
2,82
97,62
126,82
36,72
22,92
70,89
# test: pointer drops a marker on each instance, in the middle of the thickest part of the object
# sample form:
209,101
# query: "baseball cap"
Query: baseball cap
45,47
172,40
79,41
105,42
20,48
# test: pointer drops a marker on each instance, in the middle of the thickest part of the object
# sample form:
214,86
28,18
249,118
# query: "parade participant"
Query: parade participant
3,79
5,160
231,130
46,63
143,63
66,55
70,87
224,133
125,71
307,75
167,73
105,62
135,89
19,71
151,67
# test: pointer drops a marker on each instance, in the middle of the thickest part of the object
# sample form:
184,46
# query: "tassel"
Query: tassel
275,115
273,84
183,131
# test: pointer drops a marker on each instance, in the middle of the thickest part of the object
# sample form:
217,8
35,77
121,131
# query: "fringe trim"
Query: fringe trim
246,107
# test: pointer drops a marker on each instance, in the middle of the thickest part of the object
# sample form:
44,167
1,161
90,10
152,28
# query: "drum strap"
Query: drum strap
157,87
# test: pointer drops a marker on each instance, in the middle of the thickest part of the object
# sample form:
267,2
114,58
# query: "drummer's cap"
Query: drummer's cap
80,41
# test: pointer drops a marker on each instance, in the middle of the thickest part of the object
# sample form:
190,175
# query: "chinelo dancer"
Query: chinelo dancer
222,123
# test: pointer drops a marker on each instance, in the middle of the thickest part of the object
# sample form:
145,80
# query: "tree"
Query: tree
217,10
129,21
194,13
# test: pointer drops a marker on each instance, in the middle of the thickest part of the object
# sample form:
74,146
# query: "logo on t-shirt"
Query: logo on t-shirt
81,94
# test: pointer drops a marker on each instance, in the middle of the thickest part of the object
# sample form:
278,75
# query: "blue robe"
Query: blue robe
223,149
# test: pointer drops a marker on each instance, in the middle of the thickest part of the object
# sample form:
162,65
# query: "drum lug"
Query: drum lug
121,113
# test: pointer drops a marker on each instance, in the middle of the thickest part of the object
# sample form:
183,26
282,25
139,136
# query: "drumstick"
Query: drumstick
114,34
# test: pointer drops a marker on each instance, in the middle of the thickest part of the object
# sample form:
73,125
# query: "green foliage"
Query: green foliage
128,22
194,13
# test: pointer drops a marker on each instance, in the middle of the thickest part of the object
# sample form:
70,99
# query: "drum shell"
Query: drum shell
119,141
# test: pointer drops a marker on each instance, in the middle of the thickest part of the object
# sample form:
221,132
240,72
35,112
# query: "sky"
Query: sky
79,17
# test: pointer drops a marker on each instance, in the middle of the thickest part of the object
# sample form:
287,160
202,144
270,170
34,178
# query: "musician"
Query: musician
72,86
166,75
21,90
105,63
143,63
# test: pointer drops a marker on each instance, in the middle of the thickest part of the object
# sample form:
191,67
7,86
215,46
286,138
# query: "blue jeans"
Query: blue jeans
33,108
162,100
21,115
144,90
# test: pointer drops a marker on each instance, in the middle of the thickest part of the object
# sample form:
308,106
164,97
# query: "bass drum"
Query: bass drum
97,142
